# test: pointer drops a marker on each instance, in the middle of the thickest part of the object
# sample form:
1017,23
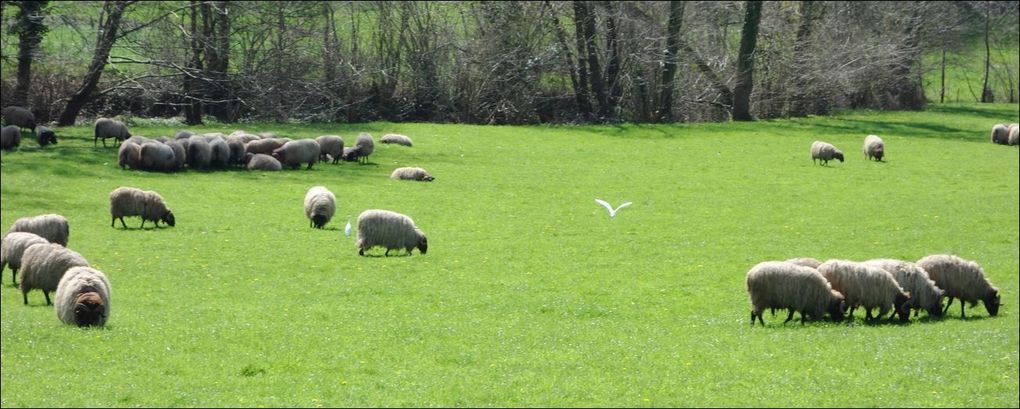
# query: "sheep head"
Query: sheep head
936,310
168,218
319,220
838,155
902,308
992,302
837,307
423,242
88,309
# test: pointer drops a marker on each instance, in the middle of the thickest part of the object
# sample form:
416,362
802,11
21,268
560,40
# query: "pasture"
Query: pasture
530,295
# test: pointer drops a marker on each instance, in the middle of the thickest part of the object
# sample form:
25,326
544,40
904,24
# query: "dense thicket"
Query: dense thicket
490,62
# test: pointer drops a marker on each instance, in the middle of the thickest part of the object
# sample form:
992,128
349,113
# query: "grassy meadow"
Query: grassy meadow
530,295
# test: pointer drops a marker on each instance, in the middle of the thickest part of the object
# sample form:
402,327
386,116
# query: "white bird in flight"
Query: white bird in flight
347,228
612,211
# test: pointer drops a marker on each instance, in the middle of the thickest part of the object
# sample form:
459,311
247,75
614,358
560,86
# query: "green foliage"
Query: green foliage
965,73
529,295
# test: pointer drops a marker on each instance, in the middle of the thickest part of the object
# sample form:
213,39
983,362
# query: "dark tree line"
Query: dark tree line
489,62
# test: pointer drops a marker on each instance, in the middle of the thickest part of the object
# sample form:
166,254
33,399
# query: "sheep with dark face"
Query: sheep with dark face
320,204
52,227
780,284
410,173
42,266
397,139
10,137
866,286
330,145
824,152
390,230
45,136
19,116
1014,135
924,293
83,297
109,128
13,247
874,147
1000,134
292,154
149,205
963,279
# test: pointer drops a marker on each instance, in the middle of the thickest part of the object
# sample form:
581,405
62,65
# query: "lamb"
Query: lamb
83,297
397,139
199,153
779,284
52,227
129,155
292,154
260,161
390,230
320,204
330,145
129,201
10,137
264,146
13,247
42,266
158,157
109,128
18,116
874,147
825,152
866,286
1000,134
924,294
45,136
963,279
805,261
1014,135
408,173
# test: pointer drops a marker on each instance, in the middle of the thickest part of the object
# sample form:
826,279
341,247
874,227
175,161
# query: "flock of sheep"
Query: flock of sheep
814,288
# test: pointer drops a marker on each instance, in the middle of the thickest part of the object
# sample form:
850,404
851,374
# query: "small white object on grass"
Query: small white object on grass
612,211
347,228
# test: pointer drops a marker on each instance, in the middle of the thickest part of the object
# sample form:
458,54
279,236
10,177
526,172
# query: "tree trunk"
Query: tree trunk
582,91
613,65
598,84
561,37
30,30
192,90
799,105
745,62
676,17
986,92
109,23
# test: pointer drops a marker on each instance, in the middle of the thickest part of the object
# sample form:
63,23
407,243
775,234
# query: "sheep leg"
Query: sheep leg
24,295
867,314
387,252
361,252
946,311
790,317
143,223
962,314
122,223
47,295
14,276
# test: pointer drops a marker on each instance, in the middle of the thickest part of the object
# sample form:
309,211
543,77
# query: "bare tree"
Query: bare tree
30,29
745,62
676,17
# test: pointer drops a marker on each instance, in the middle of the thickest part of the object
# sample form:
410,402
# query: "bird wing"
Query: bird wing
606,205
622,206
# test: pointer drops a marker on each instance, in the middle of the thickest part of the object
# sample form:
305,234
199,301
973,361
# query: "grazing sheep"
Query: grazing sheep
199,153
390,230
408,173
350,154
963,279
805,261
779,284
220,151
236,145
292,154
10,137
109,128
129,155
83,297
866,286
18,116
157,157
264,146
183,134
42,266
1000,134
45,136
128,201
52,227
331,146
261,161
397,139
874,147
13,247
246,137
364,146
1014,134
180,153
825,152
139,140
320,204
924,294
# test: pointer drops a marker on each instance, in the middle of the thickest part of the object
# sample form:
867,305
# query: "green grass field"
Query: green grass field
529,294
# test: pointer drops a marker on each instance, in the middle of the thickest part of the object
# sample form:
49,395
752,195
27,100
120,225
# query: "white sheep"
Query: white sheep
109,128
13,247
924,293
129,155
149,205
780,284
363,147
390,230
874,147
261,161
963,279
157,157
866,286
331,146
52,227
83,297
1014,134
409,173
320,204
263,146
180,153
1000,134
42,266
805,261
824,152
292,154
397,139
